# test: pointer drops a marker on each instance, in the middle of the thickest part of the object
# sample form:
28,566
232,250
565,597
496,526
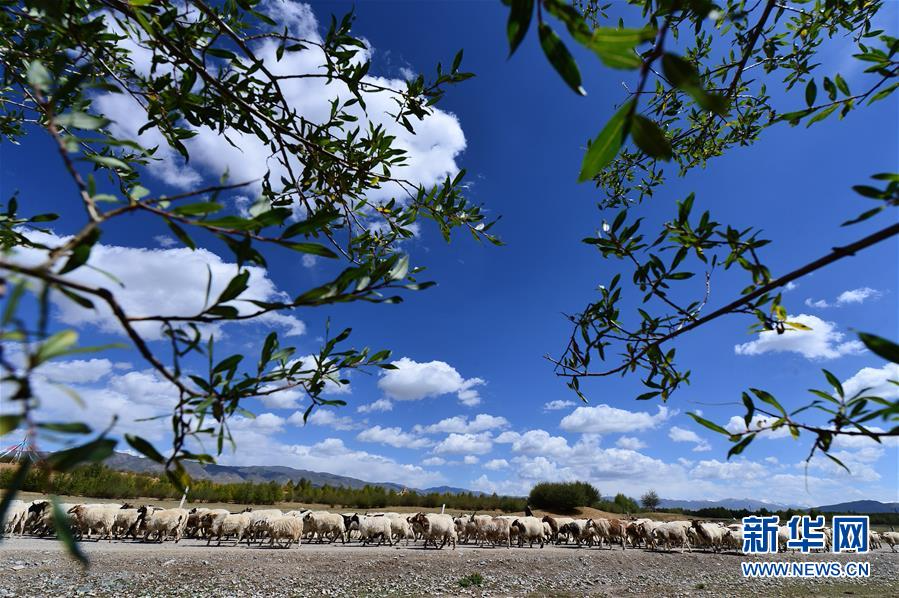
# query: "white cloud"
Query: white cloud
324,417
433,461
857,295
462,444
151,286
309,260
728,470
431,151
330,455
76,371
853,296
379,405
496,464
823,341
737,425
558,404
678,434
393,437
630,442
480,423
536,442
876,380
165,241
412,381
283,399
604,419
470,460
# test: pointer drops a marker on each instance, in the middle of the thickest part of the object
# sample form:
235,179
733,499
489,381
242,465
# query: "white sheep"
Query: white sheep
401,529
325,524
672,534
373,527
891,539
233,524
529,529
86,519
287,528
163,523
437,527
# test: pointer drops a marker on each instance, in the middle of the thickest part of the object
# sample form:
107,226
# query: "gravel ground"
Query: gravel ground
35,567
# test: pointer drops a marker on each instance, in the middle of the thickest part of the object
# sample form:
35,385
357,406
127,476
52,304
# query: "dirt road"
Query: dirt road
35,567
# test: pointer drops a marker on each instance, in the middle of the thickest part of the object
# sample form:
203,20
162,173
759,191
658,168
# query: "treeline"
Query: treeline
786,515
566,497
99,481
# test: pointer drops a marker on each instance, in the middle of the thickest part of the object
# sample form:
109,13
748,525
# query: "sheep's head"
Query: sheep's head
38,507
127,505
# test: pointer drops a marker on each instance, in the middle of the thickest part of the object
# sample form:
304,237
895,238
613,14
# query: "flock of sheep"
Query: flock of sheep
283,529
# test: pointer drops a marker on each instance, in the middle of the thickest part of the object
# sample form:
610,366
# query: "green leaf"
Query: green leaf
650,138
12,303
811,92
81,252
605,147
237,286
81,120
64,532
740,446
310,248
93,451
144,448
615,47
560,58
197,209
38,75
66,427
108,161
519,21
841,84
880,346
683,75
834,381
710,425
181,234
56,345
8,423
767,397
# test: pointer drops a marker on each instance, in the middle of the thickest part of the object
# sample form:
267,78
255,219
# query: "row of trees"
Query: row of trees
99,481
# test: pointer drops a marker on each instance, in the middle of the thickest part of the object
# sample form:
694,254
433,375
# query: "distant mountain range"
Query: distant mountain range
229,474
861,506
728,503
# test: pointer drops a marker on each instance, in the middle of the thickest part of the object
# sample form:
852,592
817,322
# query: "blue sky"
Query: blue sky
474,404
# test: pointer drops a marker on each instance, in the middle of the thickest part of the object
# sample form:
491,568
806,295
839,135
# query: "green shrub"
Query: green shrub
475,579
563,497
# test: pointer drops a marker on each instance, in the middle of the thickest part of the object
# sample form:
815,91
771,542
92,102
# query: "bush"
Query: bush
563,497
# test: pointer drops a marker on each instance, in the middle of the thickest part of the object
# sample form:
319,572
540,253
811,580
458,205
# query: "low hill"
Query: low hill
735,504
229,474
861,506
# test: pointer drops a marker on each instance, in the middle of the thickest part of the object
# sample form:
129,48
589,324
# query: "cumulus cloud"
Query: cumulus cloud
604,419
392,436
876,380
854,296
496,464
728,470
460,424
535,442
630,442
678,434
431,151
151,286
434,461
413,381
823,341
324,417
470,460
379,405
288,398
463,444
557,405
76,371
